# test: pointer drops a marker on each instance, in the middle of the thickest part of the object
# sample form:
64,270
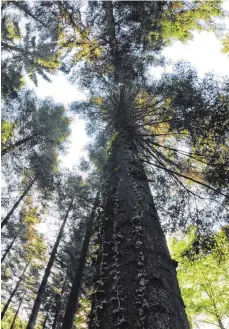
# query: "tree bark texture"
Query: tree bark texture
10,213
41,290
136,285
74,293
14,292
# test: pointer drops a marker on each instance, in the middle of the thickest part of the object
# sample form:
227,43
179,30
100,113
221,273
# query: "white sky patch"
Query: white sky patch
60,89
78,141
203,52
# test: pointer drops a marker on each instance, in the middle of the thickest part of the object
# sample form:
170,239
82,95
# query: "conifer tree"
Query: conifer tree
135,285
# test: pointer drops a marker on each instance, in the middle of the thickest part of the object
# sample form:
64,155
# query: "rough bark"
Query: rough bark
16,314
74,293
136,285
10,213
14,292
41,290
15,145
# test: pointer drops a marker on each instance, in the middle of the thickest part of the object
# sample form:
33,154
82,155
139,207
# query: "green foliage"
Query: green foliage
10,29
34,245
226,44
12,80
110,143
25,50
182,18
203,279
7,132
8,319
82,314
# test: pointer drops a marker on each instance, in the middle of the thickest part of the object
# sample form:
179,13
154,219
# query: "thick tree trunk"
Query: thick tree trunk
74,294
15,145
9,247
136,285
14,292
10,213
16,314
41,290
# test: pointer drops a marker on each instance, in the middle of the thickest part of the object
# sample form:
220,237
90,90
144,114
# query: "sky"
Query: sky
203,52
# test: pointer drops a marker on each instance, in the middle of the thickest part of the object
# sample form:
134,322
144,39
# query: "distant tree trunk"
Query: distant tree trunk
14,292
220,323
74,293
41,290
45,320
58,303
10,213
15,145
16,314
136,285
9,247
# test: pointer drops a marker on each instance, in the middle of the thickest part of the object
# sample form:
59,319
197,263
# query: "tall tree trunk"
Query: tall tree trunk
10,213
9,247
74,293
14,292
16,314
136,285
18,143
41,290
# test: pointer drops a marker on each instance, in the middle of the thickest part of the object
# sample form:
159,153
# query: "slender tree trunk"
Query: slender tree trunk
136,285
220,323
210,292
18,143
16,314
57,311
14,292
74,294
45,320
58,303
10,213
9,247
41,290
